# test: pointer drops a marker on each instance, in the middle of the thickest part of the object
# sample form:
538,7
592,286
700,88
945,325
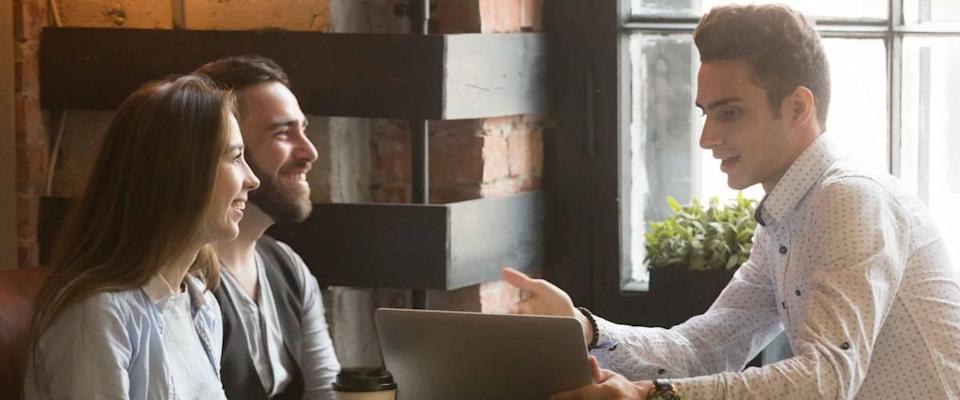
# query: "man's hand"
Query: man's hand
545,299
607,385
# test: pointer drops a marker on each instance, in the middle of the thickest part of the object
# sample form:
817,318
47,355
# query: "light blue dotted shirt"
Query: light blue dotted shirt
852,268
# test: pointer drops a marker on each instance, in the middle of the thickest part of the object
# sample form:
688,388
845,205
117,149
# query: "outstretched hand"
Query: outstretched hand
544,298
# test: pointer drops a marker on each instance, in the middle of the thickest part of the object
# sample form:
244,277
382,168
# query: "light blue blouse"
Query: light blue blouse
109,346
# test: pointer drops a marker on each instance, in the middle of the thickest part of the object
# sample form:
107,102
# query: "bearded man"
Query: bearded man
276,343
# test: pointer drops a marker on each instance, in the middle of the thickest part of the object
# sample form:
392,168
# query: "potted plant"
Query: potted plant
692,254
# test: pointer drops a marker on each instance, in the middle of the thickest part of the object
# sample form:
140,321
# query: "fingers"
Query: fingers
520,280
595,370
606,374
520,307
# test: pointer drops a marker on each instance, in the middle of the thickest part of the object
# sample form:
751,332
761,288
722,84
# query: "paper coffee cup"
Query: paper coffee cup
365,384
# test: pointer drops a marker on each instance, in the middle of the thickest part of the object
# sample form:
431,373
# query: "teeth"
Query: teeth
298,177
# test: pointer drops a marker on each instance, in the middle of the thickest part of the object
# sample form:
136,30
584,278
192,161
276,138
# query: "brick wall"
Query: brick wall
36,129
31,139
469,159
360,159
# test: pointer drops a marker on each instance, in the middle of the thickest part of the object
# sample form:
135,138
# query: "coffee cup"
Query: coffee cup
365,384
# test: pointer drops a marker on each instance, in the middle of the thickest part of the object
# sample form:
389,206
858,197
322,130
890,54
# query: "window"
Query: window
894,106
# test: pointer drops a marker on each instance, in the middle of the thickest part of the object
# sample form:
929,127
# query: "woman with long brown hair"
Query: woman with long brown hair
127,312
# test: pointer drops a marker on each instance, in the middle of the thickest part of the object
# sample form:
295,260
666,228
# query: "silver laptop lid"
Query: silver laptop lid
457,355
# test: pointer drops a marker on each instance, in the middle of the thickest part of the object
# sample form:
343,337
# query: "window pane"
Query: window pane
931,12
931,130
665,158
847,9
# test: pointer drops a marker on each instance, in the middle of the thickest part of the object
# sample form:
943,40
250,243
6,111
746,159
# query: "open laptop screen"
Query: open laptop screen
458,355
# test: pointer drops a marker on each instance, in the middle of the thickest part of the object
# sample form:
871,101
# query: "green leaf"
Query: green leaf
674,206
693,237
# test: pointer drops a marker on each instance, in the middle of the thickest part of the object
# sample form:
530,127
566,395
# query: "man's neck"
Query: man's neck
238,254
805,140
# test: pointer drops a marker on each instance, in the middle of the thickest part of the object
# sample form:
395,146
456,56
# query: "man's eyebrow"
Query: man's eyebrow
287,122
718,103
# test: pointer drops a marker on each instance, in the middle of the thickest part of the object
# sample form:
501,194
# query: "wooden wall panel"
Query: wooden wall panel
8,159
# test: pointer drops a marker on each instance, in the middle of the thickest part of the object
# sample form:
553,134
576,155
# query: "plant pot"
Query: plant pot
681,293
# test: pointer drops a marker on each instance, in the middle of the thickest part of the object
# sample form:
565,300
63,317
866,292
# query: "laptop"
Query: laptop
448,355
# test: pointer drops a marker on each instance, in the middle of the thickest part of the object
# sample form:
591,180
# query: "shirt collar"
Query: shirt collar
158,290
797,181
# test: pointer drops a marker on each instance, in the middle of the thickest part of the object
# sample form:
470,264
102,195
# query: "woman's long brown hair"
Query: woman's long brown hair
146,198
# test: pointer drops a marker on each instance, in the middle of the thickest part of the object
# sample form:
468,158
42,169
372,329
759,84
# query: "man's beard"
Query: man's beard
282,204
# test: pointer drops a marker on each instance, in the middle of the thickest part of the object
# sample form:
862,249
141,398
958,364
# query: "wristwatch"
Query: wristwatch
664,390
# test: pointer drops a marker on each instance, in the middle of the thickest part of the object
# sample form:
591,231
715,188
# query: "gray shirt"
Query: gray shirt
261,327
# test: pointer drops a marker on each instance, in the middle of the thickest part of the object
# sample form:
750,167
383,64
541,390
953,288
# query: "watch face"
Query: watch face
665,395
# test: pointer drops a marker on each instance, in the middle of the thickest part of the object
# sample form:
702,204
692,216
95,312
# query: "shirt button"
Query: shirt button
845,346
783,249
797,292
661,371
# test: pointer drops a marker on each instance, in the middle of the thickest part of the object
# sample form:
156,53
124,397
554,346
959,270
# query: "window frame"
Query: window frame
586,152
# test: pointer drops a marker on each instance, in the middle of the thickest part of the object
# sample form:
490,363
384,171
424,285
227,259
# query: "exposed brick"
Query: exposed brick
531,15
470,127
31,170
496,164
457,159
150,14
27,69
499,16
28,19
28,215
28,121
506,187
390,157
456,16
389,16
394,193
453,194
500,126
463,299
298,15
526,153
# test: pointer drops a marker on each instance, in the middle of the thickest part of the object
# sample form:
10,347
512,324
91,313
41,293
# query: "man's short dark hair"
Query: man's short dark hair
238,72
781,46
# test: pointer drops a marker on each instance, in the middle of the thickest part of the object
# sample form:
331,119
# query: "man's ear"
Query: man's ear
802,106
